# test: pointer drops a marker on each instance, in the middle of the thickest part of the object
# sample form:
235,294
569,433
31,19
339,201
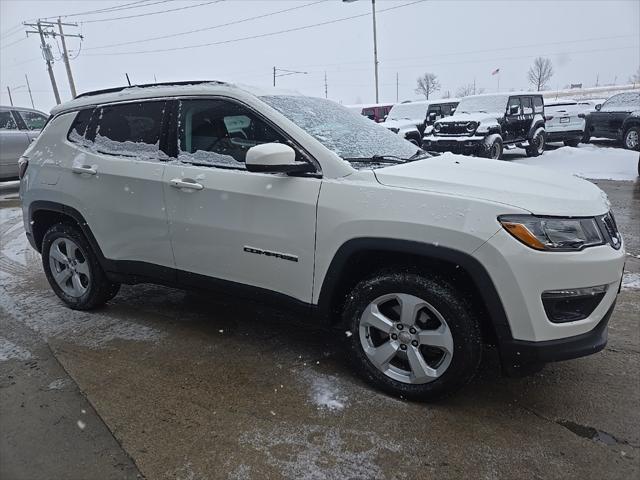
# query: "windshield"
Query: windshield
344,132
484,103
408,111
623,101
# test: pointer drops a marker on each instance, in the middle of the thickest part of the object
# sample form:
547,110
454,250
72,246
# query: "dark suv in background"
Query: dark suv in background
618,119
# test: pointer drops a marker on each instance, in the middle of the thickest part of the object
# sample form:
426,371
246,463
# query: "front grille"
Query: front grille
609,223
453,128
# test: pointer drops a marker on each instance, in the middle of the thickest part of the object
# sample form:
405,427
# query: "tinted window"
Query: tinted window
623,101
538,105
33,120
219,133
79,125
129,129
7,122
514,101
527,105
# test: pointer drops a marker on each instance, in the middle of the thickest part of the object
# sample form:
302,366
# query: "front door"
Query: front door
13,143
228,224
513,121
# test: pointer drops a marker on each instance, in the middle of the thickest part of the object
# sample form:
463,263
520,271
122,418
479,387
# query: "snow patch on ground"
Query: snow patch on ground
589,161
327,394
317,452
631,281
58,384
11,351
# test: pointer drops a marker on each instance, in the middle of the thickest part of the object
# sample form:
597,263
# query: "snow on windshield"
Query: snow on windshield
484,103
408,111
622,102
344,132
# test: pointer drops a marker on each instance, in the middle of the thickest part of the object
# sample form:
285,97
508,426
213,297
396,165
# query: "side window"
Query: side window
513,108
33,120
129,129
370,113
527,105
6,121
79,126
219,133
538,105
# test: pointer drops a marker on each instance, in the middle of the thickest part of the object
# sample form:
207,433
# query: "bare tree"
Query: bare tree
540,73
428,84
635,78
469,89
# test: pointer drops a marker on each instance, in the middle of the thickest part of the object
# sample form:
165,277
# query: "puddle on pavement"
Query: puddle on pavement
589,433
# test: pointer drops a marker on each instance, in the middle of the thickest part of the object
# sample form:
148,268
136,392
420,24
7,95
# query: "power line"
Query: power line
115,8
13,43
153,13
235,22
270,34
11,32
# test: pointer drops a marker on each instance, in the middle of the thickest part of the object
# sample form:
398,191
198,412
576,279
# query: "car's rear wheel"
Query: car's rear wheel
571,143
412,336
72,269
631,138
536,144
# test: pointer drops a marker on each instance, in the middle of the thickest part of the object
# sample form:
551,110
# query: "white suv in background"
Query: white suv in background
284,198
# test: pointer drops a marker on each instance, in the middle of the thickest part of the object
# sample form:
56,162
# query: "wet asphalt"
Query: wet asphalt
165,384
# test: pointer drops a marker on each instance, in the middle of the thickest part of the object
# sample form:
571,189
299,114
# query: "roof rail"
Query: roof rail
146,85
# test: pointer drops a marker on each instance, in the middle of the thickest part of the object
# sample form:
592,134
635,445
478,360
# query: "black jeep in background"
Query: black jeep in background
618,119
484,125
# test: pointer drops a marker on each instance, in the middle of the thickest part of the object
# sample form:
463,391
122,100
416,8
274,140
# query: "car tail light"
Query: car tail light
548,117
23,163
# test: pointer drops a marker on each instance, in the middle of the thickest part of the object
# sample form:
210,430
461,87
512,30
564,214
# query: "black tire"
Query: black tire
98,290
536,143
630,139
463,327
571,143
494,150
115,288
586,137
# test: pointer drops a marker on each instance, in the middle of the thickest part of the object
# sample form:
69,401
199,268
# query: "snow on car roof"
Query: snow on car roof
136,92
443,100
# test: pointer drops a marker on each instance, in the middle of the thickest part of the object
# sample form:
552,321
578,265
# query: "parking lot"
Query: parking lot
167,384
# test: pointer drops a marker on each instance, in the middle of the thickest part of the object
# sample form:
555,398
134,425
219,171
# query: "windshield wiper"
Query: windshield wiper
377,159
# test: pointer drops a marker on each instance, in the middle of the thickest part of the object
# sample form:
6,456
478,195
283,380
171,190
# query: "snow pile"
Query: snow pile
325,391
589,161
631,281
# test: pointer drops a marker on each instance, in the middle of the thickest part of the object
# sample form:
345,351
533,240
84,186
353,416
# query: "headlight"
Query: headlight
555,234
471,126
437,127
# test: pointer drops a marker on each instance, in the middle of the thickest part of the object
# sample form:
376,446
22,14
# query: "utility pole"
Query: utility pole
375,46
397,88
274,76
10,99
65,58
326,91
284,73
474,85
29,88
45,29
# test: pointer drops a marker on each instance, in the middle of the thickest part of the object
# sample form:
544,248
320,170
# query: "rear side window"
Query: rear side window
33,120
527,105
538,105
7,122
129,130
79,126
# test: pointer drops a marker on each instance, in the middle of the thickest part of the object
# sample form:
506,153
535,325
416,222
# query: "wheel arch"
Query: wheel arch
538,121
360,257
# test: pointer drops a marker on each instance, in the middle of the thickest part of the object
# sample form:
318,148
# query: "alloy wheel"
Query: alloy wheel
406,338
631,139
69,267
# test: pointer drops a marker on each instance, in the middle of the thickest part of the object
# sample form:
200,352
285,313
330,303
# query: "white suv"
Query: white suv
417,261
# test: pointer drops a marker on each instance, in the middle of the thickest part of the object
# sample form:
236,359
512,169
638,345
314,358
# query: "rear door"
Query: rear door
117,176
226,223
513,121
13,142
527,116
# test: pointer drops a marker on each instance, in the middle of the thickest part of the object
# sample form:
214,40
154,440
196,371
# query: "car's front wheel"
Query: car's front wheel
413,336
493,147
571,143
72,269
536,144
631,138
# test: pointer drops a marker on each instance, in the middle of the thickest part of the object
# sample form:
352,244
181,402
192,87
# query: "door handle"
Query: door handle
84,169
185,183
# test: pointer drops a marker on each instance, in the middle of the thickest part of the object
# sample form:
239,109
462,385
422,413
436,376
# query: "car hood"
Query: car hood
537,190
471,117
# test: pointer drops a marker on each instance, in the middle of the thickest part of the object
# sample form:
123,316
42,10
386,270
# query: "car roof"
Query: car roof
166,90
21,109
507,94
444,100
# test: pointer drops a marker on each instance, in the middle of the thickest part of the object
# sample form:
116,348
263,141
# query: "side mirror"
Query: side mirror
598,107
432,116
275,158
514,109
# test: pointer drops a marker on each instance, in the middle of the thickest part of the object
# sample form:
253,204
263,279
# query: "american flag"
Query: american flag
496,71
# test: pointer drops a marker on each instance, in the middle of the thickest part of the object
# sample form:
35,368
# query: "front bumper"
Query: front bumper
466,145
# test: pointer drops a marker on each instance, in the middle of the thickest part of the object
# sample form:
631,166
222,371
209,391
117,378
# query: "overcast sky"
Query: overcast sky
586,40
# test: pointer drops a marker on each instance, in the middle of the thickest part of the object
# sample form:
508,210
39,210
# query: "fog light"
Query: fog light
572,304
